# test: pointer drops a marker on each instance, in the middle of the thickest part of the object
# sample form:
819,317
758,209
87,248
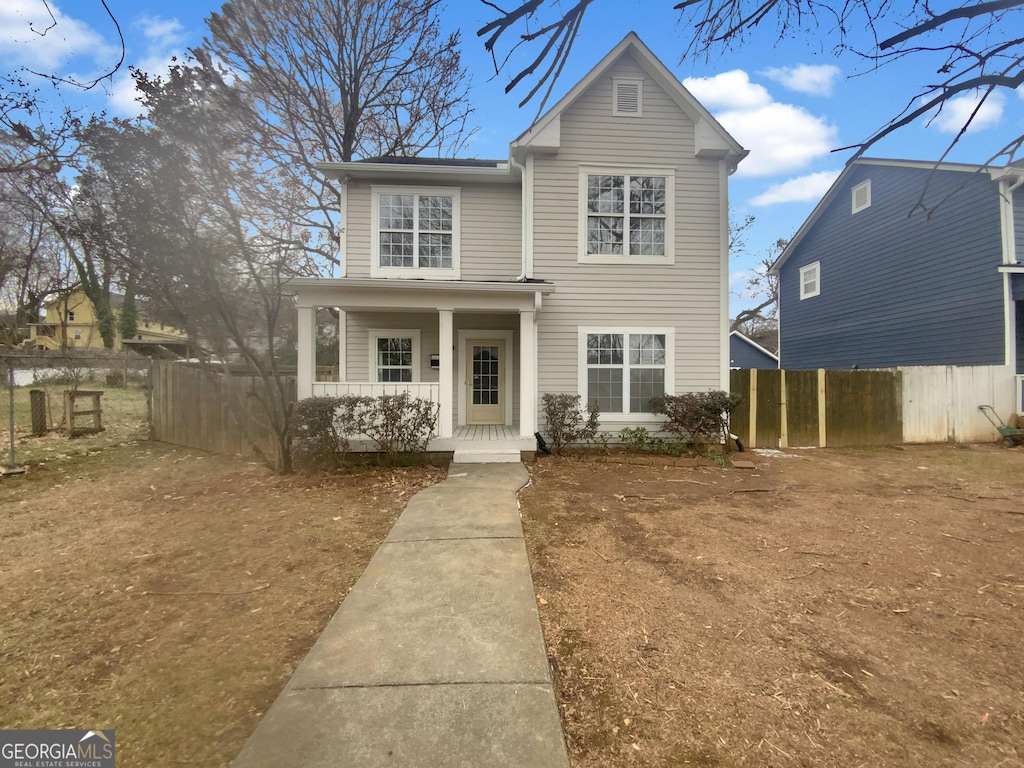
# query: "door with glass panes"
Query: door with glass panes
485,375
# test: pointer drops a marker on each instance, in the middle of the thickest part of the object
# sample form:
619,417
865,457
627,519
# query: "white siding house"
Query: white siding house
593,261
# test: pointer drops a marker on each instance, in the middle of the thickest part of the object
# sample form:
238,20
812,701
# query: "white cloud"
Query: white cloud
815,79
729,90
23,42
803,189
164,40
782,138
164,32
958,110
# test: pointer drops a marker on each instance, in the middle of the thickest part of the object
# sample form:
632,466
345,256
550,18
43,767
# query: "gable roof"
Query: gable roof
711,139
840,182
740,336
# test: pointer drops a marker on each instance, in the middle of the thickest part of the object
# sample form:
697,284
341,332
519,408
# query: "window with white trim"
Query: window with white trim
70,314
627,97
623,369
416,232
626,217
860,196
810,280
394,355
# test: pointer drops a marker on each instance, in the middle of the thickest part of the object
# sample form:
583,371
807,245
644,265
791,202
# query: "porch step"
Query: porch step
483,455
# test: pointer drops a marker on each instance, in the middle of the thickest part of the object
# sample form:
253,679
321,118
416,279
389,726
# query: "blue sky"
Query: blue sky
789,102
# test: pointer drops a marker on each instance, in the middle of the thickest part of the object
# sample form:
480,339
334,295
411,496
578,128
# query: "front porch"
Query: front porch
471,348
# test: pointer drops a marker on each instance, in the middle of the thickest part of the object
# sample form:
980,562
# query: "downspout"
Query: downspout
525,212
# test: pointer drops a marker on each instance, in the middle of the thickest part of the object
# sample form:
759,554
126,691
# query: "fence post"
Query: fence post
783,415
821,408
752,393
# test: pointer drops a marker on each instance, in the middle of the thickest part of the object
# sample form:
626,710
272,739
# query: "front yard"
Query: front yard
830,608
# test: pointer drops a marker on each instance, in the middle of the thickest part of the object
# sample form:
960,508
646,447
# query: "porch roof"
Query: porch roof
423,295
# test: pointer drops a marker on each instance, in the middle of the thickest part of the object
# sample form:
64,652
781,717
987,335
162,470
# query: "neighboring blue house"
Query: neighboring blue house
872,280
744,352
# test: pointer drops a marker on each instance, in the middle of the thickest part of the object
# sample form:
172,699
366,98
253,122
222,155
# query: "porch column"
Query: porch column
306,362
527,373
445,371
342,345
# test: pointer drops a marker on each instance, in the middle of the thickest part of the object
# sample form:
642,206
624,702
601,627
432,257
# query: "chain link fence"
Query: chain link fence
59,404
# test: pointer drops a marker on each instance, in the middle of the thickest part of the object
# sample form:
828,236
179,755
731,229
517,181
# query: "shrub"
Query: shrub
401,423
323,426
634,439
316,441
699,418
566,422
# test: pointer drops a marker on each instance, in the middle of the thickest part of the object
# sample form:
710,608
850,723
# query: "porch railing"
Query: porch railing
424,390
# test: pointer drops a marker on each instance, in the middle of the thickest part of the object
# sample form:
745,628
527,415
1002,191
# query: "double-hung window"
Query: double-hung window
626,217
416,232
394,355
621,370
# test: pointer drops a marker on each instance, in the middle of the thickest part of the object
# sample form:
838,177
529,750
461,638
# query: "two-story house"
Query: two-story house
908,263
69,321
594,260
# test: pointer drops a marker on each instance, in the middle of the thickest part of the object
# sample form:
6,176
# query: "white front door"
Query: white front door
485,381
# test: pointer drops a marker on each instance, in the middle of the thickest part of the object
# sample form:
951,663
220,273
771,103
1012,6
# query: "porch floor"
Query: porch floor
484,443
485,432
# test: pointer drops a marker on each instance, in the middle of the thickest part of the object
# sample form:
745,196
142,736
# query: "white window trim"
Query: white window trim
394,333
416,272
816,267
670,371
670,215
639,83
854,208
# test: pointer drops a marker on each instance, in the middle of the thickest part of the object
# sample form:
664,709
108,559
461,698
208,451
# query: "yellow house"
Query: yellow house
70,322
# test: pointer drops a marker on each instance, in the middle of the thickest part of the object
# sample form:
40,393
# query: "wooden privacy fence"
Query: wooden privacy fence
218,412
817,408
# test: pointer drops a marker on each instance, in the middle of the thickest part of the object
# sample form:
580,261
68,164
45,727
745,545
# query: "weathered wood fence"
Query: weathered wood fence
219,412
817,408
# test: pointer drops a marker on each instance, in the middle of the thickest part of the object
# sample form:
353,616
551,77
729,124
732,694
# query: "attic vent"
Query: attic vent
861,197
628,98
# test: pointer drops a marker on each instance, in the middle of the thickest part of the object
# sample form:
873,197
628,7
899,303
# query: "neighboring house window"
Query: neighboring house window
810,280
861,196
627,97
416,232
626,217
395,355
71,315
621,370
78,334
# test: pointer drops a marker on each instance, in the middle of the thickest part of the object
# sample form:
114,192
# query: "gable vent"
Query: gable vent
628,98
861,196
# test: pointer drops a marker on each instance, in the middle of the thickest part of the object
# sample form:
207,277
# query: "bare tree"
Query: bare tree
336,80
977,48
179,187
762,287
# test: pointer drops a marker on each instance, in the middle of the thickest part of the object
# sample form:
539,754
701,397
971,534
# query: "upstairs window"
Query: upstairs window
71,315
627,97
417,233
626,217
861,196
810,281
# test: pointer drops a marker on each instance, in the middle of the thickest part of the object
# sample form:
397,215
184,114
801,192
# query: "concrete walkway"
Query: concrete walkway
436,656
